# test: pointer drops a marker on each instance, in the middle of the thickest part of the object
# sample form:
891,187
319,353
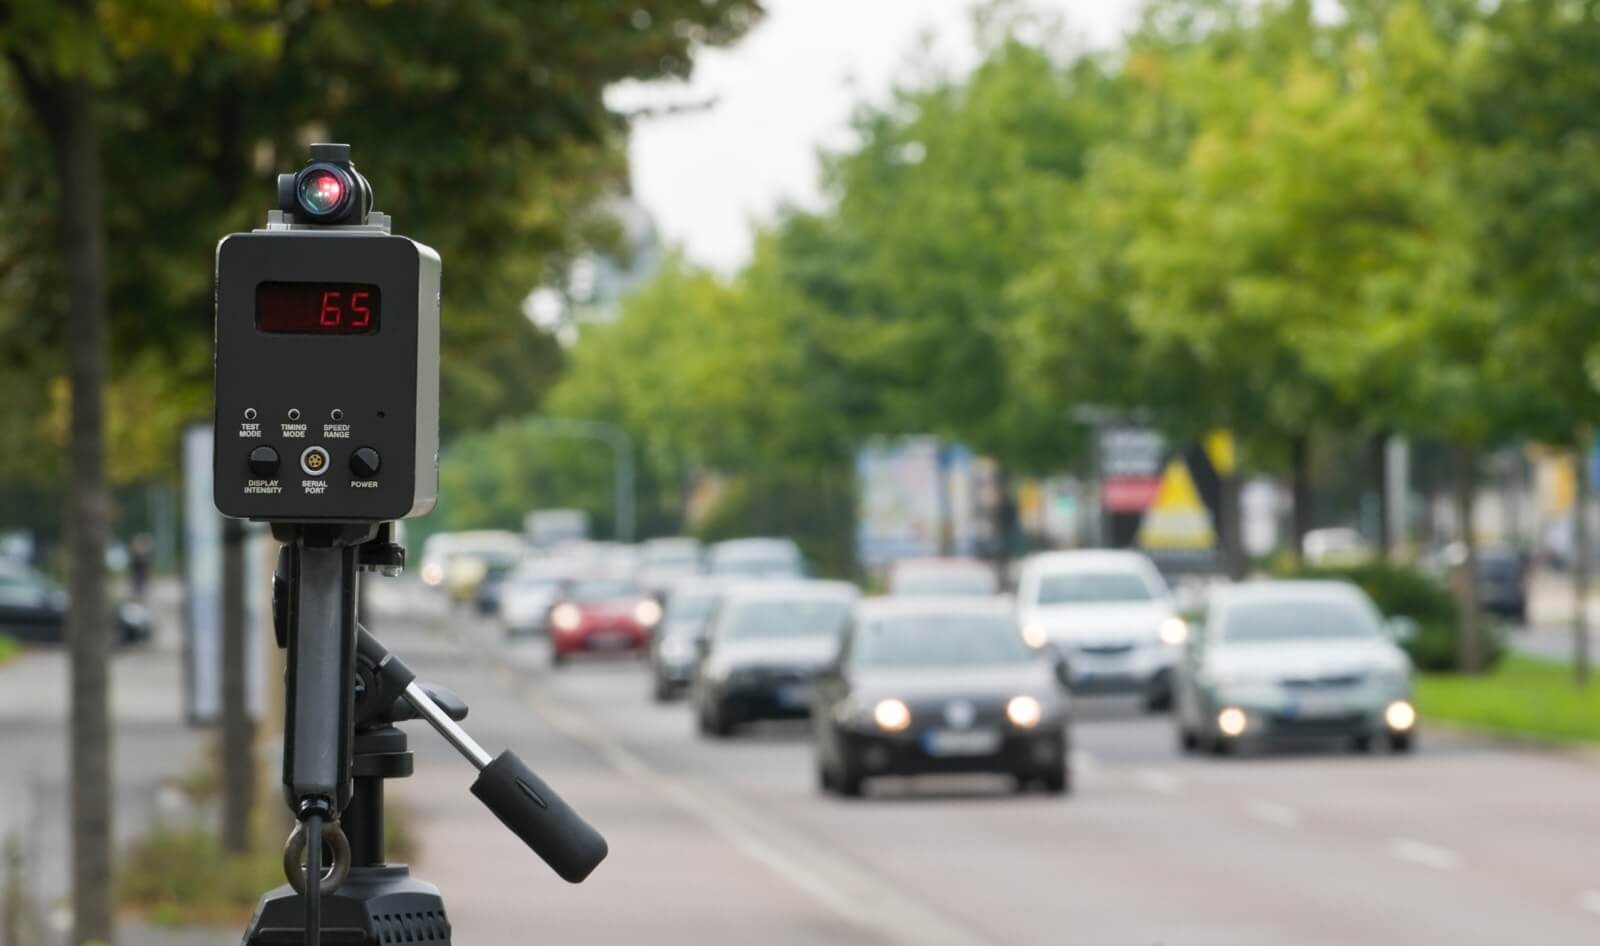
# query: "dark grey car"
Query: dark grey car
940,685
764,648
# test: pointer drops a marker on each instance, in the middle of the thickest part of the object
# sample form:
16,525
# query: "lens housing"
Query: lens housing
326,192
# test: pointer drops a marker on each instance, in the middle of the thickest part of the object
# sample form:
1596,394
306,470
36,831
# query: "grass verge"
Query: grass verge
9,649
182,877
1523,697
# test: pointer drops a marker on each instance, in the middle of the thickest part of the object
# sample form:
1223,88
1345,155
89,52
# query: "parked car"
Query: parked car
674,648
1277,660
940,685
664,561
33,609
601,614
527,594
756,558
764,648
1111,616
1503,582
942,576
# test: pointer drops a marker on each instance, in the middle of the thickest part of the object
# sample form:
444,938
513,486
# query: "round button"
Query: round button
264,462
365,463
294,413
336,414
314,461
249,413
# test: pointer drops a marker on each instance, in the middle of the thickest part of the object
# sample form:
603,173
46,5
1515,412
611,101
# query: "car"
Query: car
675,646
1110,615
458,562
527,594
763,649
33,609
940,685
613,615
942,576
756,558
495,569
1503,582
664,561
1277,660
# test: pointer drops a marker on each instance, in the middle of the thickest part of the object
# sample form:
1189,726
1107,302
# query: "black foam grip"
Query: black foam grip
536,814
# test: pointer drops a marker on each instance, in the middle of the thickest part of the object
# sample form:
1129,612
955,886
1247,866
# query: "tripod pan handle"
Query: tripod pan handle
536,814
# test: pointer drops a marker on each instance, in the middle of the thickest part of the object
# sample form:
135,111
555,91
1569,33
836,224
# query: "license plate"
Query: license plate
794,695
948,742
610,641
1313,706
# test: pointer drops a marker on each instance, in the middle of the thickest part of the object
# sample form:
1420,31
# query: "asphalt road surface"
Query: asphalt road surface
730,843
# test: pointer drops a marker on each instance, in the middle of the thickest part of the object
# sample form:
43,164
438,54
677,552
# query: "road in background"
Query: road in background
730,842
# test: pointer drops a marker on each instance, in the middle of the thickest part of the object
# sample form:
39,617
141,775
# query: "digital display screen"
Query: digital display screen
317,308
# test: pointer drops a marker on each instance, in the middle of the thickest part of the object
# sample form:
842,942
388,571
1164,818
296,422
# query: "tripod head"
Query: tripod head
327,406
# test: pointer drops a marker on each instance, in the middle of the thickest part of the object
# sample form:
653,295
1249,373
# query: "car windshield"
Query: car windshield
1092,587
785,617
1299,620
928,640
603,590
943,581
526,582
757,566
691,606
672,553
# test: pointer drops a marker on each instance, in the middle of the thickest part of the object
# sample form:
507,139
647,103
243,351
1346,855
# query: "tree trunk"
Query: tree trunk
1005,517
1232,523
1469,644
1580,562
65,109
1300,488
1380,480
238,737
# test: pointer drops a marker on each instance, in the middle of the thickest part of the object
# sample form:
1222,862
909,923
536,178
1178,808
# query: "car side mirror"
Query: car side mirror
1402,629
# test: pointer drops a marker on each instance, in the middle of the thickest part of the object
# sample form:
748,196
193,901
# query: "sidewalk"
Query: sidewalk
152,747
1552,606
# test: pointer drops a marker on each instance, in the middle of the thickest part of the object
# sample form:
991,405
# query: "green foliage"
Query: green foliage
181,877
1402,591
9,649
482,126
1523,698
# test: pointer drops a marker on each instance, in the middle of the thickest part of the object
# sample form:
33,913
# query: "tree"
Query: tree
488,123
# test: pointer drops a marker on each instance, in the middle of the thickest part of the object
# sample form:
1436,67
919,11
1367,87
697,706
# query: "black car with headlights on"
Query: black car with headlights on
927,686
761,653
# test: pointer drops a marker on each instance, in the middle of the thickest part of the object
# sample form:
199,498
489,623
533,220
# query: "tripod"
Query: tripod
347,692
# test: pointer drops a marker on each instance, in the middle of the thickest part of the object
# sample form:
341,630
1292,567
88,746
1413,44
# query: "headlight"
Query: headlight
566,617
1035,635
1232,721
1400,716
1174,631
432,574
647,612
891,715
1024,712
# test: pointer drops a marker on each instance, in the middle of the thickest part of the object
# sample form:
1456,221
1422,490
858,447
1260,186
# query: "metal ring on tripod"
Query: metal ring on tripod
334,871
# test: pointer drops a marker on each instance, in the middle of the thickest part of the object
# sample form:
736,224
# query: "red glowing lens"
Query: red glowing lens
321,191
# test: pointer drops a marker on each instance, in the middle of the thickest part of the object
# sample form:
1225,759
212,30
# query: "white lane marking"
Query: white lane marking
1162,783
851,892
1273,813
1420,852
1590,901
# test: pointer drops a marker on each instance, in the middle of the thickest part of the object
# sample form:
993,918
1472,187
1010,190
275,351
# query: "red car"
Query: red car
601,614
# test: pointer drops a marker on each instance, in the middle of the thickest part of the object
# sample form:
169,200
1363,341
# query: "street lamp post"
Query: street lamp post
622,480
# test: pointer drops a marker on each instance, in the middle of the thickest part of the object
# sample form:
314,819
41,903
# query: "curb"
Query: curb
1521,742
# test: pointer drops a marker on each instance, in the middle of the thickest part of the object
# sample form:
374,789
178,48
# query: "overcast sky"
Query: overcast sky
784,90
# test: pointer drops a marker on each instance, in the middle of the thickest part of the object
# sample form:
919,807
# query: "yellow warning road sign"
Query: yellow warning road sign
1178,520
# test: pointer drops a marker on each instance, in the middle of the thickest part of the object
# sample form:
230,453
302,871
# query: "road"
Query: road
731,843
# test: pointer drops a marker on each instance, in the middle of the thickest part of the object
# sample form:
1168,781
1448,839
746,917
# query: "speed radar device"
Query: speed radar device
327,369
327,428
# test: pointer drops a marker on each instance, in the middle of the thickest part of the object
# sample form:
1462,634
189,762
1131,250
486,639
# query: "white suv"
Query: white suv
1110,615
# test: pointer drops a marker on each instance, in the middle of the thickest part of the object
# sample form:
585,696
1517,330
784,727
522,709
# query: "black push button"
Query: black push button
264,462
364,463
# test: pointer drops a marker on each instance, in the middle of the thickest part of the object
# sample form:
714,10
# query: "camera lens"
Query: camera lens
323,191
